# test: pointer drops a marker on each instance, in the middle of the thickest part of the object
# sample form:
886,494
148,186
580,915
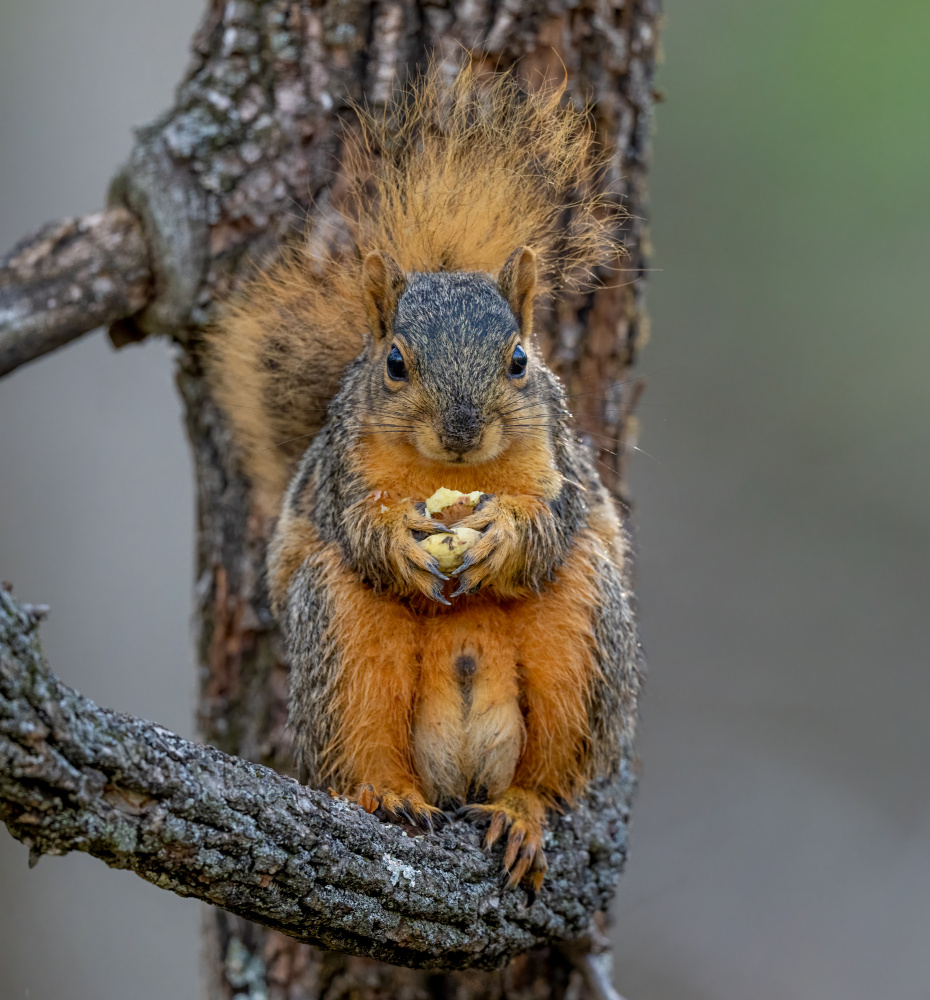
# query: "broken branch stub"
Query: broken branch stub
67,279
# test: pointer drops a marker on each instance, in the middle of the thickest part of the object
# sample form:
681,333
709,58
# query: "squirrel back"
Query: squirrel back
451,176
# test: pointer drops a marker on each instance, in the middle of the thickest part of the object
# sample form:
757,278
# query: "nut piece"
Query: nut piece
450,547
450,506
443,498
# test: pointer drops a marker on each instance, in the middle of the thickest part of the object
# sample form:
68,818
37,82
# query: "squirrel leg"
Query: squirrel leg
376,689
407,804
553,634
521,813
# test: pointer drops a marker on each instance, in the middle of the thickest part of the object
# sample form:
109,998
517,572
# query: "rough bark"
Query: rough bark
250,150
194,820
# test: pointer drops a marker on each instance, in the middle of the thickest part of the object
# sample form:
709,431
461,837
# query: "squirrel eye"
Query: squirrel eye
397,370
517,367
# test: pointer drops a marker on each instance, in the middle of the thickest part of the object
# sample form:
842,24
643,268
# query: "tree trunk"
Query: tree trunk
251,147
311,61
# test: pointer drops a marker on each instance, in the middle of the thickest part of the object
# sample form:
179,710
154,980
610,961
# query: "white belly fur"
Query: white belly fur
468,729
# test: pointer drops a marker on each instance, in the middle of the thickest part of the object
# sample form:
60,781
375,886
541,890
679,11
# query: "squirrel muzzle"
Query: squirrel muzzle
462,428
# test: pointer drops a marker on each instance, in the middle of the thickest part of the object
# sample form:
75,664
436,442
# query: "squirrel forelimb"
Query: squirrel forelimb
381,538
509,554
512,528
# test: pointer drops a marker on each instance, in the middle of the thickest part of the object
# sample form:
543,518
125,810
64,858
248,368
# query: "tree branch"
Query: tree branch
70,277
201,823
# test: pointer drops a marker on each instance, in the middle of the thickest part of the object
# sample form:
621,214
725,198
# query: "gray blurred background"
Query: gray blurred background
781,841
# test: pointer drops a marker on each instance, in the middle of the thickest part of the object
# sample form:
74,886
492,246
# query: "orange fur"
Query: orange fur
555,643
383,509
468,728
521,813
519,479
377,645
416,702
525,467
470,170
498,557
371,753
276,356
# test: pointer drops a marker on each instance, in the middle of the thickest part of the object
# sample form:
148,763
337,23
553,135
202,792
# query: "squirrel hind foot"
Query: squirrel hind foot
407,807
521,814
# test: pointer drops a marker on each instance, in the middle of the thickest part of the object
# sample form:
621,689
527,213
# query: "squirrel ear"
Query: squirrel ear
517,283
383,284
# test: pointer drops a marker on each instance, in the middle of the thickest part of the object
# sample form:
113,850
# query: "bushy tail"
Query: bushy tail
450,176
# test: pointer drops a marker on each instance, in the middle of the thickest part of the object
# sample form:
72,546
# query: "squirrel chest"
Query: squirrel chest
467,728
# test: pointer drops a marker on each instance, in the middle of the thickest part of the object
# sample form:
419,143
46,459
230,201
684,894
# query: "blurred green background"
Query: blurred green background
782,834
781,842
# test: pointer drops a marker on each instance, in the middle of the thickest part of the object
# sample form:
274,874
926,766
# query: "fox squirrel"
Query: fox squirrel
407,364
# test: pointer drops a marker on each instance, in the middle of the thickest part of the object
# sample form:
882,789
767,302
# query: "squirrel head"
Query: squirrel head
451,364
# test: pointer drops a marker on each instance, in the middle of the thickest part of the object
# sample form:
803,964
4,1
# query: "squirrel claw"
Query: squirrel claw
531,865
433,567
467,560
517,818
437,596
424,523
435,820
465,588
410,809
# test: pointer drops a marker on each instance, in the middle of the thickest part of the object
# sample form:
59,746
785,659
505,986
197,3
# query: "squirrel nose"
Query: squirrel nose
461,427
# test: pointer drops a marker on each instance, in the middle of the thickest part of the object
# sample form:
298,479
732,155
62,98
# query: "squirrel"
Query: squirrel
360,380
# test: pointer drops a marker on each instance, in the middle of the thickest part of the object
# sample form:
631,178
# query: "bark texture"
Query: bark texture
250,154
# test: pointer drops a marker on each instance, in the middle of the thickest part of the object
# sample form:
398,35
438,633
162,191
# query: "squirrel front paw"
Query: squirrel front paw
495,554
418,570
